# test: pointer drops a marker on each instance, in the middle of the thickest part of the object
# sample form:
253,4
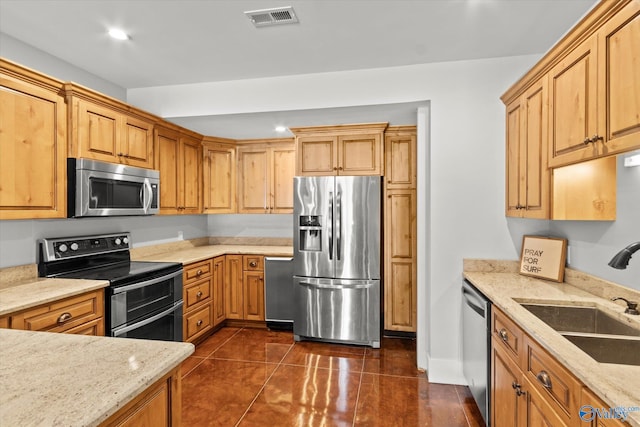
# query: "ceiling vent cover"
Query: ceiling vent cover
275,16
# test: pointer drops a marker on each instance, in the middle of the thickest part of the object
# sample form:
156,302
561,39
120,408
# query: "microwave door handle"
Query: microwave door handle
148,195
330,225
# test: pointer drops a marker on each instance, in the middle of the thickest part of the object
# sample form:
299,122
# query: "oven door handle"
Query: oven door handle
123,330
139,285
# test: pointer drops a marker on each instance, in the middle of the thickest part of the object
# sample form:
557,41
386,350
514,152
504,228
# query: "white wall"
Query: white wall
39,60
18,238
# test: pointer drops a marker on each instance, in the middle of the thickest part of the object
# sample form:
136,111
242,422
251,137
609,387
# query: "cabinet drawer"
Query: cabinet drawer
253,262
509,335
62,315
196,293
4,322
94,328
196,271
198,322
553,381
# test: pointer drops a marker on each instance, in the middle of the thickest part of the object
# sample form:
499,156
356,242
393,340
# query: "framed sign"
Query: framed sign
543,257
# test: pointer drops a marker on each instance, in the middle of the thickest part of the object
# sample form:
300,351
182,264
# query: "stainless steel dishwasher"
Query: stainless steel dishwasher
278,299
476,346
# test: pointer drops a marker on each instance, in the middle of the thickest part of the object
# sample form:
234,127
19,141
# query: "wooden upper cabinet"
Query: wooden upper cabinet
178,158
618,81
265,177
107,130
400,157
340,150
219,177
33,145
595,93
527,172
573,106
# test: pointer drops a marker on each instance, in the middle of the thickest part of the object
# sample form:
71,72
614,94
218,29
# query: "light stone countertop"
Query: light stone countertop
616,385
70,380
33,292
200,253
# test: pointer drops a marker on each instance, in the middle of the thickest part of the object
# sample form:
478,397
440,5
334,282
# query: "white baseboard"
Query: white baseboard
445,371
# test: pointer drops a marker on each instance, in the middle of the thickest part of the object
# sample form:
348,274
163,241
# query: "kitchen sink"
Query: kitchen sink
590,320
624,351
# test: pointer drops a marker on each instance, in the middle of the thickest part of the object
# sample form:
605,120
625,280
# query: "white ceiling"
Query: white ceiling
192,41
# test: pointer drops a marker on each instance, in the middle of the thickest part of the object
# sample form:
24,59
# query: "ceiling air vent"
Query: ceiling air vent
275,16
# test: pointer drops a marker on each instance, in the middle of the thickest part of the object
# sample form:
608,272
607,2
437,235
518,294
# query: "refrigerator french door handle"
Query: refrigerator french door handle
338,224
330,225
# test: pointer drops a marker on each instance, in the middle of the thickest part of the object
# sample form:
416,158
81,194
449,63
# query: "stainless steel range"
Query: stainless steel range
143,300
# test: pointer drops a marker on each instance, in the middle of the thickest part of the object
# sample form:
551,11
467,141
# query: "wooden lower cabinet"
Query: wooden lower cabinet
158,406
81,314
592,417
530,388
197,296
219,277
244,287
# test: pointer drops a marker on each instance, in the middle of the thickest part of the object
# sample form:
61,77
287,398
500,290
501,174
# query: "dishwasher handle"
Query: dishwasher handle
474,301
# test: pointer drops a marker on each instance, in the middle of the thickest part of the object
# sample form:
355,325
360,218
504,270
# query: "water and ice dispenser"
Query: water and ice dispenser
310,233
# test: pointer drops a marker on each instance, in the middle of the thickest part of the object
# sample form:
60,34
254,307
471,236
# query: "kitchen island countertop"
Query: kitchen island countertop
77,380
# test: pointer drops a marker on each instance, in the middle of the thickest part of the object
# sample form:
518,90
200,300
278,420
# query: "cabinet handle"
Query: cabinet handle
199,323
518,388
199,294
597,137
544,379
335,168
253,264
119,154
587,141
504,336
340,168
64,317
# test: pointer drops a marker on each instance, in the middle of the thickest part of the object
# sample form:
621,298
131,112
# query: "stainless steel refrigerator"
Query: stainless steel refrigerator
336,259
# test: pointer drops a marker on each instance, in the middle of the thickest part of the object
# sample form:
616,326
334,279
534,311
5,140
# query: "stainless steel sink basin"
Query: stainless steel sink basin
589,320
625,351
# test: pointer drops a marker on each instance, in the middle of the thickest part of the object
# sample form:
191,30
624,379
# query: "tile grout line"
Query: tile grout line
355,408
466,417
264,385
213,351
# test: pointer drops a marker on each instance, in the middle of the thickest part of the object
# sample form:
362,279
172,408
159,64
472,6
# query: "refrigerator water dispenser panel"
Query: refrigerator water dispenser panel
310,233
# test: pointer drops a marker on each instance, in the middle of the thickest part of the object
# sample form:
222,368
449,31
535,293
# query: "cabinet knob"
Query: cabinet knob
340,168
504,336
199,323
335,168
199,273
119,154
199,294
64,317
253,264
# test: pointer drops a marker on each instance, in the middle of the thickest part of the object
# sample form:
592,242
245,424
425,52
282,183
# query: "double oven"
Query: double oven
143,299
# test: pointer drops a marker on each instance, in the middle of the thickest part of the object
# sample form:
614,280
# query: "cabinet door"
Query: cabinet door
253,295
218,290
573,106
317,155
33,151
137,143
591,418
505,403
98,131
400,159
189,176
253,178
234,307
536,411
283,161
400,290
219,173
515,177
360,155
166,161
619,87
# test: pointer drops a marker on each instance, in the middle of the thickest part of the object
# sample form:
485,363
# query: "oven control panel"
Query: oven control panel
71,247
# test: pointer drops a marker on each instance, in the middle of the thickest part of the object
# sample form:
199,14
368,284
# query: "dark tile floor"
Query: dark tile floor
254,377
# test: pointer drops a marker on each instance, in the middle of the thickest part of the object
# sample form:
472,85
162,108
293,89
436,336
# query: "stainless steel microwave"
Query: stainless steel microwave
108,189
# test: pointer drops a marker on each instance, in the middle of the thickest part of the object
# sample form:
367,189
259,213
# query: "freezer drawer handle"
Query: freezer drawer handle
336,287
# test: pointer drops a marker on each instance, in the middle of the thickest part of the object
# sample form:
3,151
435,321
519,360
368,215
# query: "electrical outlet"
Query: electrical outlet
180,235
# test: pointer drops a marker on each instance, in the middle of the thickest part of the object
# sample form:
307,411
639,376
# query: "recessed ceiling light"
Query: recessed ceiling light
118,34
281,128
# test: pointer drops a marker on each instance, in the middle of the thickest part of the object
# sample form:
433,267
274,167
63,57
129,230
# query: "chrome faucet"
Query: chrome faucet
632,306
